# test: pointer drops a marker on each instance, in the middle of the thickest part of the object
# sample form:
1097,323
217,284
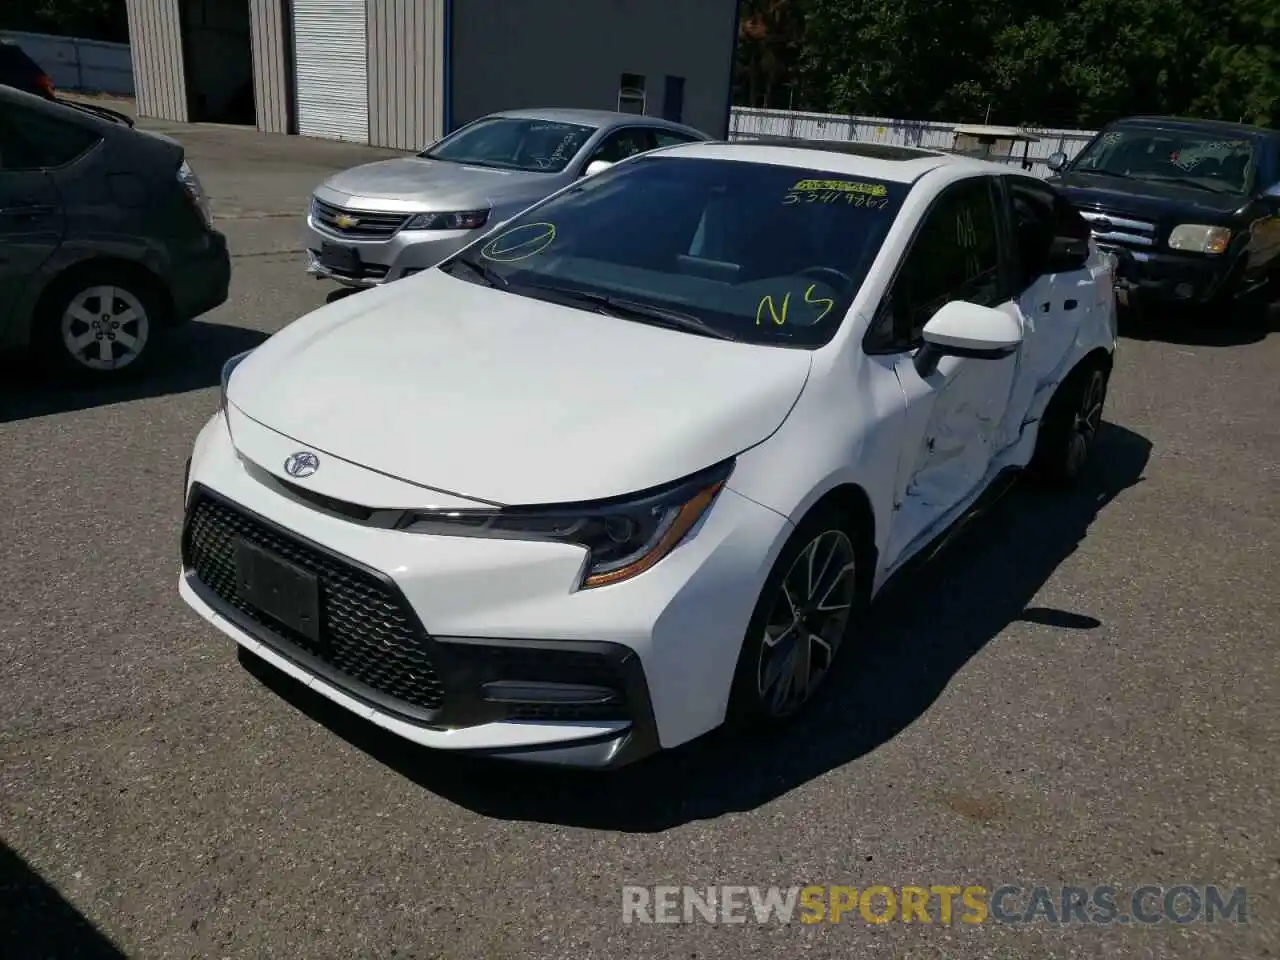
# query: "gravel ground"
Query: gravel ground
1082,691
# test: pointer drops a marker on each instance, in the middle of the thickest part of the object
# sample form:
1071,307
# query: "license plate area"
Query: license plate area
282,590
341,259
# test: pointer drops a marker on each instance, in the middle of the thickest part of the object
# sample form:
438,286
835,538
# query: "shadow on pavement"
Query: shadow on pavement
190,358
1190,328
978,585
36,922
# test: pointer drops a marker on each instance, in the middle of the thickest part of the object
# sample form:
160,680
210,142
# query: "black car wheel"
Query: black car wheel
99,323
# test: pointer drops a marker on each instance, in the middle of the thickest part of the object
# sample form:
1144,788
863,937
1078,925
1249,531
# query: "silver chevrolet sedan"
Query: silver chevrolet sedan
386,220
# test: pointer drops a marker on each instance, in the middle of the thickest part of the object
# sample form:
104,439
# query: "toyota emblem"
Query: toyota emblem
302,464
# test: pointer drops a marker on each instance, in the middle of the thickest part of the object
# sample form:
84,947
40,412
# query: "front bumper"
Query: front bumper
479,645
201,279
403,254
1146,277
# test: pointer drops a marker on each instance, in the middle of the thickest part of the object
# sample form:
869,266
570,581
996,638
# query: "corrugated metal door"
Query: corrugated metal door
332,69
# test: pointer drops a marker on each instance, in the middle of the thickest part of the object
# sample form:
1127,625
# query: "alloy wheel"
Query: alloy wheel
807,623
105,328
1086,421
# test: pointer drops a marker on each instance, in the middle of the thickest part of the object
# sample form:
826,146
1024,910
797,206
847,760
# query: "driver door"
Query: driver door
955,411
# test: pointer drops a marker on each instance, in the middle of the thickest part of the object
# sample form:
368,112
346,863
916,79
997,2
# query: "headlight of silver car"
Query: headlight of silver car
1199,238
227,369
623,537
464,220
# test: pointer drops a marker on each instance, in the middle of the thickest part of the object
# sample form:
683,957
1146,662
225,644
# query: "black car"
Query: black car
20,71
1190,209
106,238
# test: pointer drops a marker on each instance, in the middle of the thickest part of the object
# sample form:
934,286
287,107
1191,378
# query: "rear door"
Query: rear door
1054,305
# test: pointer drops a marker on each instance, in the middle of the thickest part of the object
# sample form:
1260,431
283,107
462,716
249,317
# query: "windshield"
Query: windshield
1192,159
513,143
744,251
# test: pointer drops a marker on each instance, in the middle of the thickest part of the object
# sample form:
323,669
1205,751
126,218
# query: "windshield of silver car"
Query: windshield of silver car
1204,161
742,251
513,143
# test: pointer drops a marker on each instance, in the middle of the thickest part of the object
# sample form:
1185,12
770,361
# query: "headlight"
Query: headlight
1199,238
195,192
623,537
466,220
227,369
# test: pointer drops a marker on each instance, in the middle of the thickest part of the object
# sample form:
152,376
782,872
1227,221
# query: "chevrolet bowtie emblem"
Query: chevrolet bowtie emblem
345,221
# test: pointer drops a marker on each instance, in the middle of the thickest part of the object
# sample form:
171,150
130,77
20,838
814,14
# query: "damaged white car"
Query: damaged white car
629,465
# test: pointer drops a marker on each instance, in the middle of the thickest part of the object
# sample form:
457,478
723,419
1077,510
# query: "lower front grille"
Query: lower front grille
368,633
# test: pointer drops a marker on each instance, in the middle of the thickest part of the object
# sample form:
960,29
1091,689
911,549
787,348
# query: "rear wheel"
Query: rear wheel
98,324
1070,426
806,613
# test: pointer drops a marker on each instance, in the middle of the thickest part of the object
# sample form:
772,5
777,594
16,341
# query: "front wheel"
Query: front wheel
805,615
97,324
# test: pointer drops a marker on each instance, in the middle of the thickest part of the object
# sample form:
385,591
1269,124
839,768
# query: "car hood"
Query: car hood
497,397
1147,199
432,185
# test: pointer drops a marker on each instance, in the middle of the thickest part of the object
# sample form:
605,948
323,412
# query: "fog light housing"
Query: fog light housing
1184,291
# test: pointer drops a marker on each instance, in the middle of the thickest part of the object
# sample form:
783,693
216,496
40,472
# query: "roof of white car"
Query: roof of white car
871,160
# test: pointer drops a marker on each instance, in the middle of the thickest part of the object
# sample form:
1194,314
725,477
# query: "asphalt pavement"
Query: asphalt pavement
1083,690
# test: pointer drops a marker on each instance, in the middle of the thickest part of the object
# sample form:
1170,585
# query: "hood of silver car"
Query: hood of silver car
414,183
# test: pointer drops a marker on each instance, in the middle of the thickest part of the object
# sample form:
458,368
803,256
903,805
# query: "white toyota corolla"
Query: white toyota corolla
632,464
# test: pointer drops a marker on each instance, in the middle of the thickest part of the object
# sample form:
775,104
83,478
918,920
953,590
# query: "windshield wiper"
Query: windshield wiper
490,277
631,310
1104,173
1182,181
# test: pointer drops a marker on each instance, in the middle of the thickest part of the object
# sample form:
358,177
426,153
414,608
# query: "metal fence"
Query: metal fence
750,121
73,64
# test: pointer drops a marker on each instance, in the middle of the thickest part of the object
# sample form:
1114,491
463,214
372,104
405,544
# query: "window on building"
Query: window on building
673,99
631,93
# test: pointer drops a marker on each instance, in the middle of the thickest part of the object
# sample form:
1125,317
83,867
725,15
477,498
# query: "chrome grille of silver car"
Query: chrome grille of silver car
1110,229
356,224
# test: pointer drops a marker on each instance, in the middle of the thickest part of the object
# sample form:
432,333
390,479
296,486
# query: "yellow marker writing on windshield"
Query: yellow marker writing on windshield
519,243
826,302
778,317
778,314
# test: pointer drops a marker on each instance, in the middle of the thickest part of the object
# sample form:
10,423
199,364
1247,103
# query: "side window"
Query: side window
30,140
1033,209
624,143
954,256
668,138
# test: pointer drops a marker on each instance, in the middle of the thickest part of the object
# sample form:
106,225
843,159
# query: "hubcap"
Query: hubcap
1086,421
807,623
105,328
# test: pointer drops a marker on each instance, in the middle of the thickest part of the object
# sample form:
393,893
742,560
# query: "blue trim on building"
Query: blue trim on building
446,94
733,61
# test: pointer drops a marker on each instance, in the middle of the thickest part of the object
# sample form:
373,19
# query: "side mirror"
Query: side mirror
596,166
1067,254
963,329
1057,160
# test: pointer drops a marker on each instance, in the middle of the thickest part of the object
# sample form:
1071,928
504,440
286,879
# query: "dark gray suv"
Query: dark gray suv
105,237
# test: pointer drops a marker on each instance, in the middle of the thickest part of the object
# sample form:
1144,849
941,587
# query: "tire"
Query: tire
1253,312
760,698
1070,426
98,324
